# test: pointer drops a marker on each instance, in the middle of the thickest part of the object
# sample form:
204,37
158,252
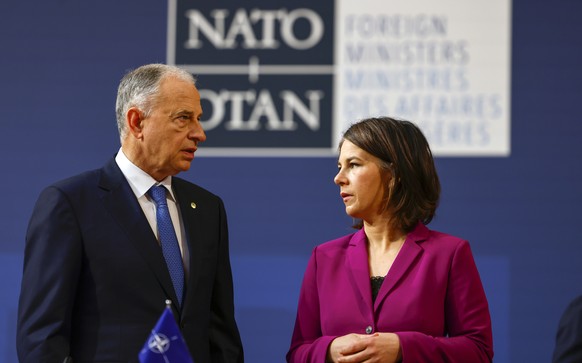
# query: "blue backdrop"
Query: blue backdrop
61,62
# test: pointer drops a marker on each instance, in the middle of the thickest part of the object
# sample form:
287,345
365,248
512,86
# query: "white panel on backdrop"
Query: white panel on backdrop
443,64
287,81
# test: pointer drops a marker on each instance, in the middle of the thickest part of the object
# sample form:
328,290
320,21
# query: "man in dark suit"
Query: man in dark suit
95,277
568,347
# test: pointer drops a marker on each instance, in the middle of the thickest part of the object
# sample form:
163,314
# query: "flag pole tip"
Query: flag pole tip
168,303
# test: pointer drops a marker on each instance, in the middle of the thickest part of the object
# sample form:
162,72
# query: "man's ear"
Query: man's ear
134,119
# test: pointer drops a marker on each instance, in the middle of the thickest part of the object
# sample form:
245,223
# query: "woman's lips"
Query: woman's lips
345,196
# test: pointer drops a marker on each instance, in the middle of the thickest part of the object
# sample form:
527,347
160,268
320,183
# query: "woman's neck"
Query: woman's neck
384,244
382,235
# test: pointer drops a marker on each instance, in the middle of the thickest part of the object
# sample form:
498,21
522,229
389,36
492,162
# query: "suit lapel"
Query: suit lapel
404,261
191,220
120,201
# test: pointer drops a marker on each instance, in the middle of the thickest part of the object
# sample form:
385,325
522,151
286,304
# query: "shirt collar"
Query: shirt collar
140,181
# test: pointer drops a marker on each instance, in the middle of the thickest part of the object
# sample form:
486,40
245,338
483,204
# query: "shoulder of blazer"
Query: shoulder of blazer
341,242
94,183
440,241
76,184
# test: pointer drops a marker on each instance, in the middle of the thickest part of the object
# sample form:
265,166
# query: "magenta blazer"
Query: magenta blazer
432,297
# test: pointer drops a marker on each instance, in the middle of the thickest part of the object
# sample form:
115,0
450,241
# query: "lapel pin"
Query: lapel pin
193,205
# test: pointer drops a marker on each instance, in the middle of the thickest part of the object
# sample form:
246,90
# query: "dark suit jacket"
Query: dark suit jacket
569,337
95,280
432,298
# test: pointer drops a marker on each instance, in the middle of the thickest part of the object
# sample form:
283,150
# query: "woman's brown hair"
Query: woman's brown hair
414,188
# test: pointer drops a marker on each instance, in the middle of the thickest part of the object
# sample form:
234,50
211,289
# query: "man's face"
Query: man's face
172,131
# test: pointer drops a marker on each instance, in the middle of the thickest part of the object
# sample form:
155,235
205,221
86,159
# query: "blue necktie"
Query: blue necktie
168,240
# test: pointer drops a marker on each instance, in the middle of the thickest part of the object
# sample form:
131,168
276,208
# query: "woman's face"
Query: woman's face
361,181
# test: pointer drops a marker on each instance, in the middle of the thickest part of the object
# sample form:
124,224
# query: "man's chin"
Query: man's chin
184,166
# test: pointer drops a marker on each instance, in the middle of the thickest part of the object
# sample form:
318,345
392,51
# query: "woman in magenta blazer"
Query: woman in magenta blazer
394,291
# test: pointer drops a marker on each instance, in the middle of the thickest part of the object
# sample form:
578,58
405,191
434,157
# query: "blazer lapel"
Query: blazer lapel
359,273
403,263
120,201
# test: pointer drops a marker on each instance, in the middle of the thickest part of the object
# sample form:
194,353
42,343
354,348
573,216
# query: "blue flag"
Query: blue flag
165,344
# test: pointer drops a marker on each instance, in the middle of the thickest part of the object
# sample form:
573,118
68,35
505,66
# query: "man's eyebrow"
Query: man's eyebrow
183,112
186,112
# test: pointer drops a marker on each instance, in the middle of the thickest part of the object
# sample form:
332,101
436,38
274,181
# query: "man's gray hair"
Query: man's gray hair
140,87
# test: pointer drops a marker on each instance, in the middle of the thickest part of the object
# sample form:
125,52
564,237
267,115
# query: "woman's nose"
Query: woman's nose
339,178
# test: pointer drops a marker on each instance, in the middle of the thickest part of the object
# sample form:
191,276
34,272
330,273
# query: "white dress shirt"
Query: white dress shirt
140,182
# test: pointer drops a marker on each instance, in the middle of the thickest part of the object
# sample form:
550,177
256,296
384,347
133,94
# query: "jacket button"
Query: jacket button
369,329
